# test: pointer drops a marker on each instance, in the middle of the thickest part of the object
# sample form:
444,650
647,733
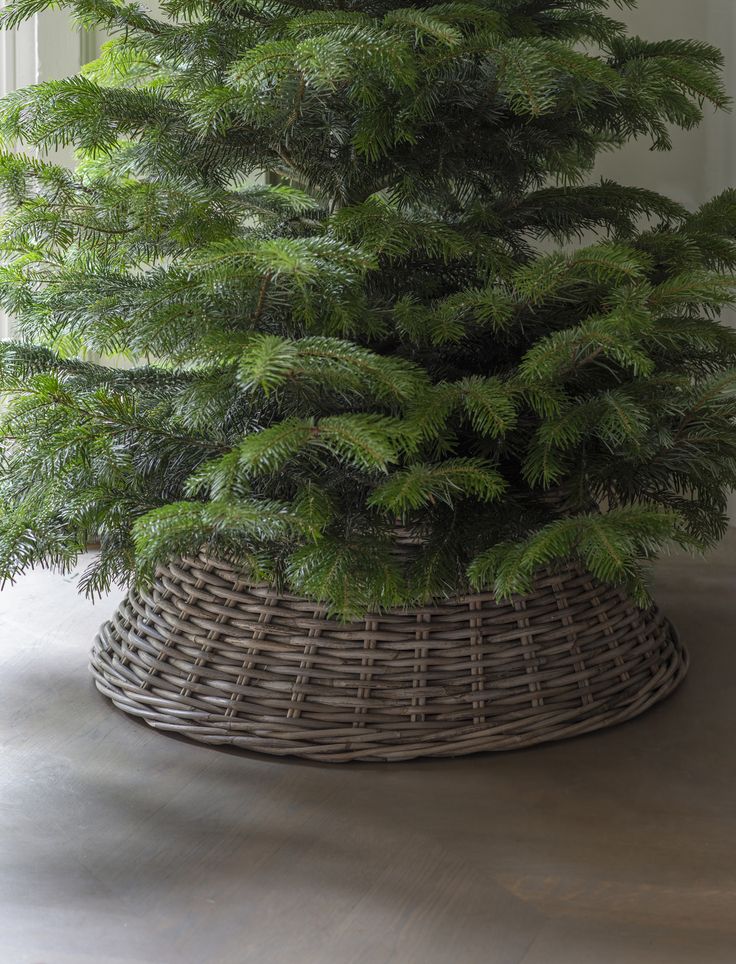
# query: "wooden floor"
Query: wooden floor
119,844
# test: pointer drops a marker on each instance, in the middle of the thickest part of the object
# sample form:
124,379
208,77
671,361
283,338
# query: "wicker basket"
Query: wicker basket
214,658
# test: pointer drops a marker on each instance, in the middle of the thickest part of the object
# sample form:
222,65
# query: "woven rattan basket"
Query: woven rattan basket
214,658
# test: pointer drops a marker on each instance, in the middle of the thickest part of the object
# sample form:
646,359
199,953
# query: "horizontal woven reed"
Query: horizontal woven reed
211,657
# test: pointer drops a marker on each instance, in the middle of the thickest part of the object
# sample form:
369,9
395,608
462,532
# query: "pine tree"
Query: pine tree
365,279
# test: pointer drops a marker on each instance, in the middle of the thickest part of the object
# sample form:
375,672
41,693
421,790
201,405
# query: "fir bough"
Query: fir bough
427,319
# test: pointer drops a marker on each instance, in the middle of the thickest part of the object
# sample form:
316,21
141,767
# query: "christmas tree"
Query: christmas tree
366,283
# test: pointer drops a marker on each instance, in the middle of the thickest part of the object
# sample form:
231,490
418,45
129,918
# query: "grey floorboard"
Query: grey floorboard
119,845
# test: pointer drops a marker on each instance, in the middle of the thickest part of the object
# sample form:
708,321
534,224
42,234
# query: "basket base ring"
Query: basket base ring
208,657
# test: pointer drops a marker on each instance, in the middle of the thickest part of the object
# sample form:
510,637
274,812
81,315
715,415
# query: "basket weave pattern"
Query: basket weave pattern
212,657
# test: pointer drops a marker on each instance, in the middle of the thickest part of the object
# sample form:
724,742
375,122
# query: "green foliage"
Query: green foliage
340,247
608,544
353,574
225,528
421,485
270,362
488,404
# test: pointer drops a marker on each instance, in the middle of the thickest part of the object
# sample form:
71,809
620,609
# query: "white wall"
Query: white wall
42,48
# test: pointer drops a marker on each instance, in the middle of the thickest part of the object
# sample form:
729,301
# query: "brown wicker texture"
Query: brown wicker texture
214,658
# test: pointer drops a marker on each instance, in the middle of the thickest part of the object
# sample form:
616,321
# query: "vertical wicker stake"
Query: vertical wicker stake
210,657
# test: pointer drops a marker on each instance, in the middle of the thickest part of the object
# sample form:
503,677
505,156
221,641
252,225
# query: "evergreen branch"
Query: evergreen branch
609,545
270,361
421,485
489,405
